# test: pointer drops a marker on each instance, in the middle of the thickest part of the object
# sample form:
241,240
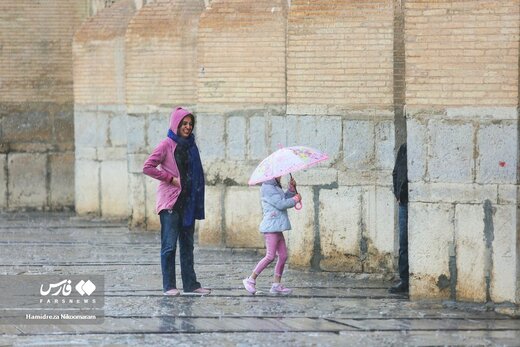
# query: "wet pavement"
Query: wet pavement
326,309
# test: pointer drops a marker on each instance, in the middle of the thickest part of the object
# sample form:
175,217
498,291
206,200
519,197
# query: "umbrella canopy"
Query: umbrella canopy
284,161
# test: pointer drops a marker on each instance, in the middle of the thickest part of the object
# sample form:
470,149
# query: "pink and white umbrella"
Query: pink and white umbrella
284,161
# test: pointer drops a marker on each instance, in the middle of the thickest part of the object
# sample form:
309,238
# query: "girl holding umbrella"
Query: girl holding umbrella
275,203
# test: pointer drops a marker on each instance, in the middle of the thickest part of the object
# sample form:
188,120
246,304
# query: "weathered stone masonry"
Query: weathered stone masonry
241,96
100,115
340,98
462,116
36,103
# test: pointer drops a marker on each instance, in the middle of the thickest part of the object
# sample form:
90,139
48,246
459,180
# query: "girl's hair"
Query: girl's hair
278,182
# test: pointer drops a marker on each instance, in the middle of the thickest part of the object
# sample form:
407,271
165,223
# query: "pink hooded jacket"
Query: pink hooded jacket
163,155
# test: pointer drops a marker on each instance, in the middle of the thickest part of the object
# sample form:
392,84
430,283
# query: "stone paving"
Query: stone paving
326,309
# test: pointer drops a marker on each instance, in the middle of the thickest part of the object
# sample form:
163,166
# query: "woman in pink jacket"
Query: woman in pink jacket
180,200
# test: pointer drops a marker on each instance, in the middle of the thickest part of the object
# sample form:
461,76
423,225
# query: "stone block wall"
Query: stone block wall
100,118
36,103
242,126
340,98
241,100
251,98
462,123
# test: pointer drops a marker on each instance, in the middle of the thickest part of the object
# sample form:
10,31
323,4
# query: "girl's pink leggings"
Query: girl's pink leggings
274,243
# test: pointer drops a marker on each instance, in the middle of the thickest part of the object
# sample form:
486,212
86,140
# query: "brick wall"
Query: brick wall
399,86
37,38
36,111
99,64
241,56
461,53
161,66
340,53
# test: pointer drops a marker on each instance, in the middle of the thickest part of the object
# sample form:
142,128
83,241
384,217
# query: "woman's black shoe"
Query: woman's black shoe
400,288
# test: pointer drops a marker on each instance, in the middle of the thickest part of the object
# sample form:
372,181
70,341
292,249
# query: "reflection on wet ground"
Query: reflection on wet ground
326,309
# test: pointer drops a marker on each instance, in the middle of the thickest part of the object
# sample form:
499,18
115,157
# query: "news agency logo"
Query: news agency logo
64,288
37,298
85,287
60,292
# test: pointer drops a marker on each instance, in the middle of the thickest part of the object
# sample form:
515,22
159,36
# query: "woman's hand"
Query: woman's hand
175,182
297,197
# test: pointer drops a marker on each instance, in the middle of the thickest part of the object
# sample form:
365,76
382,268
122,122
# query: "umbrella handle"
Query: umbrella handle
298,205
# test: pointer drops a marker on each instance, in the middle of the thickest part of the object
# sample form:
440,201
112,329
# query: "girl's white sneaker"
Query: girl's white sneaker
278,288
249,284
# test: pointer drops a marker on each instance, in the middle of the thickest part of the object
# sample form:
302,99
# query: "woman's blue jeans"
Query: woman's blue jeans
171,230
403,242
